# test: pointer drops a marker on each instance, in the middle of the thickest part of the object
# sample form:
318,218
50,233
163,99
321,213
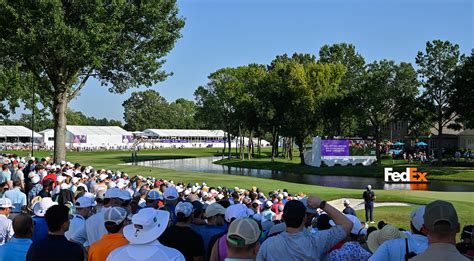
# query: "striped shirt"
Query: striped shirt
6,229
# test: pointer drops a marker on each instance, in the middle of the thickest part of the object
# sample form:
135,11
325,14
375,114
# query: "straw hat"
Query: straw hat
377,237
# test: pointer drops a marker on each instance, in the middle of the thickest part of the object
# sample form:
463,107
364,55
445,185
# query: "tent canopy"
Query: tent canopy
182,133
16,131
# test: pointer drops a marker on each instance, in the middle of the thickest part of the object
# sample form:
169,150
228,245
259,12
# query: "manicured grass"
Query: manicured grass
463,201
435,173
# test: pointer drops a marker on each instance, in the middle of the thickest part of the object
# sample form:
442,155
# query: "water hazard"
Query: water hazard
205,164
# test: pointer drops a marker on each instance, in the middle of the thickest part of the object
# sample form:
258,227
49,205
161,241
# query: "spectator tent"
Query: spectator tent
92,137
185,138
17,135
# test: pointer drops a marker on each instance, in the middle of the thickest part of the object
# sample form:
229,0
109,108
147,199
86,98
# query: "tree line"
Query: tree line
339,94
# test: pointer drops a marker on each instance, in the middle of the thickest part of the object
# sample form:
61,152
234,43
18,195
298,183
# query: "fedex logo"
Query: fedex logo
411,175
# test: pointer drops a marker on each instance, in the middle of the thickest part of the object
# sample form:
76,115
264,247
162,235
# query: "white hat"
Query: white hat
121,184
369,187
84,202
91,197
268,203
346,202
64,186
103,177
5,203
75,180
69,173
35,179
377,237
114,193
417,217
184,207
63,162
115,214
357,226
112,185
40,207
60,179
171,193
147,225
153,195
236,211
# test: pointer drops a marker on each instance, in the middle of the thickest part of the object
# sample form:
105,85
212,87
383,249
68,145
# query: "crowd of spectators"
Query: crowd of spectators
71,212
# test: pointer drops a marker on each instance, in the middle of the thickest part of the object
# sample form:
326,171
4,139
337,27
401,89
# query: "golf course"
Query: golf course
399,216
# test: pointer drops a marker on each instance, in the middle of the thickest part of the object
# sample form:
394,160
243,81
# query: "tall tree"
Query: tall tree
437,67
385,85
183,114
64,43
339,111
146,110
462,99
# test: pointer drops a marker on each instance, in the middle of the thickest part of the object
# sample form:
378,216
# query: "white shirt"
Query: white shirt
395,249
6,229
151,251
95,227
77,229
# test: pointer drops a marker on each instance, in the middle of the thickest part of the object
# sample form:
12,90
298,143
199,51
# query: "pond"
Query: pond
205,164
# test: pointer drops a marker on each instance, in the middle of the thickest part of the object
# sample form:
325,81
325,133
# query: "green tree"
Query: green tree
183,114
437,67
384,86
462,100
146,110
64,43
339,111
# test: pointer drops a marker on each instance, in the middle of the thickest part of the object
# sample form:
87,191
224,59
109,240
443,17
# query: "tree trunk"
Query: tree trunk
273,143
229,141
301,149
59,113
377,148
250,146
440,140
291,149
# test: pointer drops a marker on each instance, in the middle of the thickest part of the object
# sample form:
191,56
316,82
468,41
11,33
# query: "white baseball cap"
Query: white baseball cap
171,193
154,195
236,211
35,179
115,214
103,177
346,202
84,202
356,225
147,225
113,193
5,203
184,207
417,217
40,207
268,203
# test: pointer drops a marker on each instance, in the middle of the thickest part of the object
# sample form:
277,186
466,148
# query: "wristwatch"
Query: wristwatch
322,205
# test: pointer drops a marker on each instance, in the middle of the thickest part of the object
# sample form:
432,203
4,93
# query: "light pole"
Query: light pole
33,123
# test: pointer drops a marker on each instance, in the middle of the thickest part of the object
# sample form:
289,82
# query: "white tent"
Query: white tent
184,138
93,137
16,134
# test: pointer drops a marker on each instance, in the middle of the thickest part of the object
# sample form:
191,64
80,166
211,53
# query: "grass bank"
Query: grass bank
463,201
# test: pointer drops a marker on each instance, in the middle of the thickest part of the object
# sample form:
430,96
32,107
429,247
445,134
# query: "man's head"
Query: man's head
467,234
416,220
152,198
84,206
440,222
242,238
57,219
215,214
346,203
5,206
17,183
294,214
171,196
369,187
184,211
114,219
23,226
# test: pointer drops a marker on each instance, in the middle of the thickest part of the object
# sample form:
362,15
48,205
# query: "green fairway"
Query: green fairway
463,201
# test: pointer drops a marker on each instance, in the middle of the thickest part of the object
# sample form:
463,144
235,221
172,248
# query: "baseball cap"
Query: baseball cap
114,193
236,211
184,207
103,177
440,210
84,202
214,209
5,203
346,202
35,179
171,193
294,209
416,217
356,225
243,232
115,214
60,179
154,195
268,203
40,207
147,225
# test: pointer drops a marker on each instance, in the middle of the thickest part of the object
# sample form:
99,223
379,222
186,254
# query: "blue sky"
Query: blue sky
228,33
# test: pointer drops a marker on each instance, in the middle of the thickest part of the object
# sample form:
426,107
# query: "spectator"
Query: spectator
153,199
17,197
440,226
18,174
268,214
5,176
182,237
403,248
171,199
17,247
40,230
243,240
6,228
77,229
115,218
351,249
147,225
55,246
378,237
466,246
296,243
369,198
36,187
348,210
215,224
48,186
95,227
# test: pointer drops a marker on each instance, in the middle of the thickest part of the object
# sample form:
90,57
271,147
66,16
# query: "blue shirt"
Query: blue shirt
34,191
41,229
395,249
207,232
15,249
55,247
17,197
5,176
